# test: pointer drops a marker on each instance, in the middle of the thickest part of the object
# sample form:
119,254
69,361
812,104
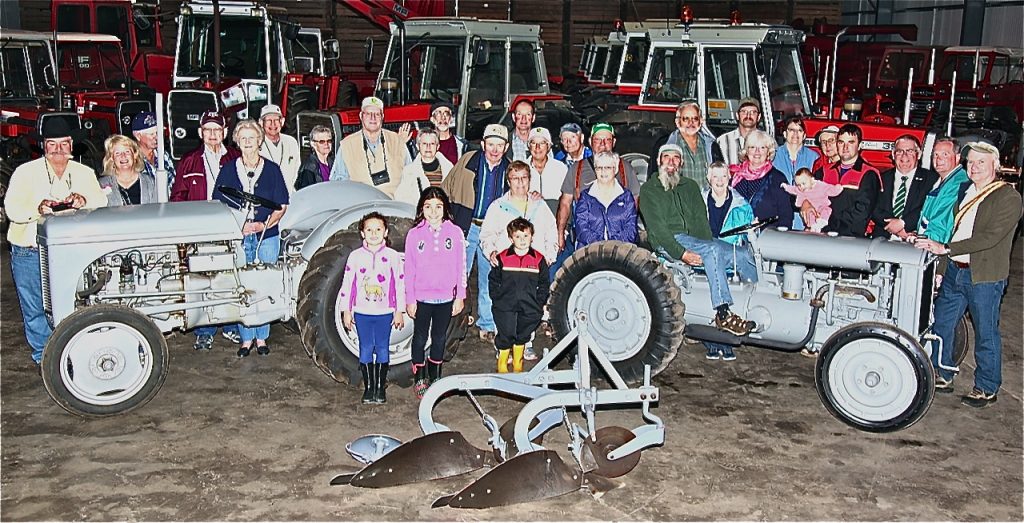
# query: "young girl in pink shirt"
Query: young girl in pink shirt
435,282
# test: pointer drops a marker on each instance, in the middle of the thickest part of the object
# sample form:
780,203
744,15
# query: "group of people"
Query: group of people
517,209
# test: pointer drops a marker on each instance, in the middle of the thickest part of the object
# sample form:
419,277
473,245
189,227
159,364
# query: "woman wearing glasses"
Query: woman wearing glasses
316,167
124,181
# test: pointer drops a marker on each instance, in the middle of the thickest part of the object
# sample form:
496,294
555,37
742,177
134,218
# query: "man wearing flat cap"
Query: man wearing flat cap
374,156
450,145
279,148
144,130
39,188
199,168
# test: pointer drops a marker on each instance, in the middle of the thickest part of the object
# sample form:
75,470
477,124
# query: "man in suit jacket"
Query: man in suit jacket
897,198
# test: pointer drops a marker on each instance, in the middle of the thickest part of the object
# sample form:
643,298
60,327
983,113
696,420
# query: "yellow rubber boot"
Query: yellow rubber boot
503,361
517,357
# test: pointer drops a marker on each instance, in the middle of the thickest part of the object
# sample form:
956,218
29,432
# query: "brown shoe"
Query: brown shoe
734,324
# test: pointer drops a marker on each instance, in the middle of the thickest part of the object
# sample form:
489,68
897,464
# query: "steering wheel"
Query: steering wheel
232,62
249,197
748,227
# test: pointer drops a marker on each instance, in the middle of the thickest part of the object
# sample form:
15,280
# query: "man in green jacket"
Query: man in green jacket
976,270
677,225
937,214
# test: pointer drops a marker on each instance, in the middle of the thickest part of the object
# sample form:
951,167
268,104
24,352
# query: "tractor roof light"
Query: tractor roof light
686,17
735,18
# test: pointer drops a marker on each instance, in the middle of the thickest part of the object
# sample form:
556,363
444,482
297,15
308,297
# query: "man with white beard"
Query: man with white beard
677,226
450,146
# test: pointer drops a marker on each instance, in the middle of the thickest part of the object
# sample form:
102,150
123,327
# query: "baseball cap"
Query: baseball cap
268,110
540,133
571,127
214,118
438,105
144,121
373,101
601,128
496,130
748,101
830,129
670,148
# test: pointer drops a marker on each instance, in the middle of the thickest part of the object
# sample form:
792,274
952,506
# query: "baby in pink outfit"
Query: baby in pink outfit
817,192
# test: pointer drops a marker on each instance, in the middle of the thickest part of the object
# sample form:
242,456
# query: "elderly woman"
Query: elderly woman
428,169
124,180
516,203
316,167
760,183
254,174
605,209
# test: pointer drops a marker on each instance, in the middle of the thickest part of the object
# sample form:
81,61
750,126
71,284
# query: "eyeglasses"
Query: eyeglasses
828,142
442,114
750,112
904,152
373,116
322,142
688,119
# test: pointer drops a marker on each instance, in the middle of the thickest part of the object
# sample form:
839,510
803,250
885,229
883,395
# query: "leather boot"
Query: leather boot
420,382
517,357
433,371
369,385
503,361
382,383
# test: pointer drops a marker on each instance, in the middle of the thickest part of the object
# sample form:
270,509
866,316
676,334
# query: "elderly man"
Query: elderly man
700,149
898,196
852,208
39,188
936,221
450,145
733,142
144,129
473,183
546,173
677,225
826,139
374,156
975,274
279,148
573,149
602,138
523,114
199,168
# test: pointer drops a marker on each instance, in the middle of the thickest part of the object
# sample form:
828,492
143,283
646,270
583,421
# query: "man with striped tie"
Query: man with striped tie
898,197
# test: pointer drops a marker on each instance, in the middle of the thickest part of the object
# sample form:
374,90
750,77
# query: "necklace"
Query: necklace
50,175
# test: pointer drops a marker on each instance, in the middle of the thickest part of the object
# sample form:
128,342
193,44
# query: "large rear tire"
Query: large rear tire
874,377
104,360
633,304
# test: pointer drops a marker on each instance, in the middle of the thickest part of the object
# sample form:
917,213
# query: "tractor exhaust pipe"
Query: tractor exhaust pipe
835,57
952,98
906,103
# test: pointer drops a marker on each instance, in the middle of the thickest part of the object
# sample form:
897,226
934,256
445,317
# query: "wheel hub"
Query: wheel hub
622,307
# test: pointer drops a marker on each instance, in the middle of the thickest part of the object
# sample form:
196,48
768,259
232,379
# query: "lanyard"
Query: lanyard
367,153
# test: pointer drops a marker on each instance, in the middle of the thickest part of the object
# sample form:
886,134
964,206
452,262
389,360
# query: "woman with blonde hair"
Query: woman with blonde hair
124,179
757,180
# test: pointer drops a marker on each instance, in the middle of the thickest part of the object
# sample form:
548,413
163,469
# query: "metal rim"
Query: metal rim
872,379
106,364
620,317
608,439
400,348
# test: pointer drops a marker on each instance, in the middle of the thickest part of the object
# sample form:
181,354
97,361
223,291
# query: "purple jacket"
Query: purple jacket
435,263
594,222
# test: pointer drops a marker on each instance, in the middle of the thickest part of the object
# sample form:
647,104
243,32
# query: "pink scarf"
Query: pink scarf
744,171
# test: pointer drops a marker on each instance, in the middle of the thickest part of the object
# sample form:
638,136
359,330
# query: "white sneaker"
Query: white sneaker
528,354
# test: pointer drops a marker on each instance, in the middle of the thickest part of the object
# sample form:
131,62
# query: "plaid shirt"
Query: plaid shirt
150,169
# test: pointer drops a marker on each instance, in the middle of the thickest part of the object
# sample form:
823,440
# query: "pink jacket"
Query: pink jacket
374,282
435,263
818,195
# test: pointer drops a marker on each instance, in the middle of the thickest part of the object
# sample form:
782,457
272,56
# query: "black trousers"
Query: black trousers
432,318
514,328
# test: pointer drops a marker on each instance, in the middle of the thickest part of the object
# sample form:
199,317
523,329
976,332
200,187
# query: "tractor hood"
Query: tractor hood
154,223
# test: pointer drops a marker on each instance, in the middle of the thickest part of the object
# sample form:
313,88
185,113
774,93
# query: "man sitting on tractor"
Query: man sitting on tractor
677,226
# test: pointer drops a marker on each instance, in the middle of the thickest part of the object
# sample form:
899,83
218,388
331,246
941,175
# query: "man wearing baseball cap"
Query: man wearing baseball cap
602,138
476,180
144,129
573,148
279,148
975,266
451,146
826,141
199,168
748,115
374,156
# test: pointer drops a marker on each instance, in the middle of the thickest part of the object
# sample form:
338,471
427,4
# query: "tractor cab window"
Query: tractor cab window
963,64
487,81
636,56
729,76
896,66
597,65
113,20
307,45
433,67
73,19
1006,70
243,42
145,24
14,73
42,73
91,66
673,75
786,86
611,72
526,76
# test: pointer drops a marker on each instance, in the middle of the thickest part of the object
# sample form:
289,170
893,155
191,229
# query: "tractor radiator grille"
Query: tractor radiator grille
185,108
44,271
927,293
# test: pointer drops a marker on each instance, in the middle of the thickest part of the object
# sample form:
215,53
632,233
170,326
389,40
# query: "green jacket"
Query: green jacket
937,213
668,213
992,237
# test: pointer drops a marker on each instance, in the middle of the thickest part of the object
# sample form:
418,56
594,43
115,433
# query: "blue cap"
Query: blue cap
144,121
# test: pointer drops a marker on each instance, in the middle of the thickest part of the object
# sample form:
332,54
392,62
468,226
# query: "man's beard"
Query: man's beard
668,178
442,127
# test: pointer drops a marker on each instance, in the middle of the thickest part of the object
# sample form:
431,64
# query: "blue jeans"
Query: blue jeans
211,330
570,248
957,294
717,256
374,332
28,282
484,316
268,252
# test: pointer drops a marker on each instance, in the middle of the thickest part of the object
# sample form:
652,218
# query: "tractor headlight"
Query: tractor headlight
233,96
257,92
972,115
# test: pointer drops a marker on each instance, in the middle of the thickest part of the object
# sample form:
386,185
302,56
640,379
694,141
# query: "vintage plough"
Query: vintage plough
521,469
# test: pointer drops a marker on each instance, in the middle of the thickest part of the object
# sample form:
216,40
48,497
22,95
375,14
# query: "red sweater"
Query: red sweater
190,181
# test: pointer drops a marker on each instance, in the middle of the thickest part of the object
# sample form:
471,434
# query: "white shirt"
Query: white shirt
211,162
897,178
284,153
966,228
549,182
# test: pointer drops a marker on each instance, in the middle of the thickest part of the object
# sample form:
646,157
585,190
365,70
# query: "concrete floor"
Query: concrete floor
259,439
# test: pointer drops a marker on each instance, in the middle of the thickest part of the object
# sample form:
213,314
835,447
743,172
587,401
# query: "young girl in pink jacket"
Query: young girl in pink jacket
435,282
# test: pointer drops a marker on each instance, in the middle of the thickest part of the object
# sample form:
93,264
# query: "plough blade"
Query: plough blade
434,456
527,477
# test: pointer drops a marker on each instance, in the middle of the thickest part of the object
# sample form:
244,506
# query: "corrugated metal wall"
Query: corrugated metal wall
939,21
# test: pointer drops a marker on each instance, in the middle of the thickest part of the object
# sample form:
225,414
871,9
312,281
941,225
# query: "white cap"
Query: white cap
372,101
268,110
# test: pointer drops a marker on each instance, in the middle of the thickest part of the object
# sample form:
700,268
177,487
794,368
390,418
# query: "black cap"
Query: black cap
439,104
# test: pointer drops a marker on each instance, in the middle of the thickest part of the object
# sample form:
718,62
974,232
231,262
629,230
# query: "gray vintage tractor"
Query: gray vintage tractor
115,280
866,304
